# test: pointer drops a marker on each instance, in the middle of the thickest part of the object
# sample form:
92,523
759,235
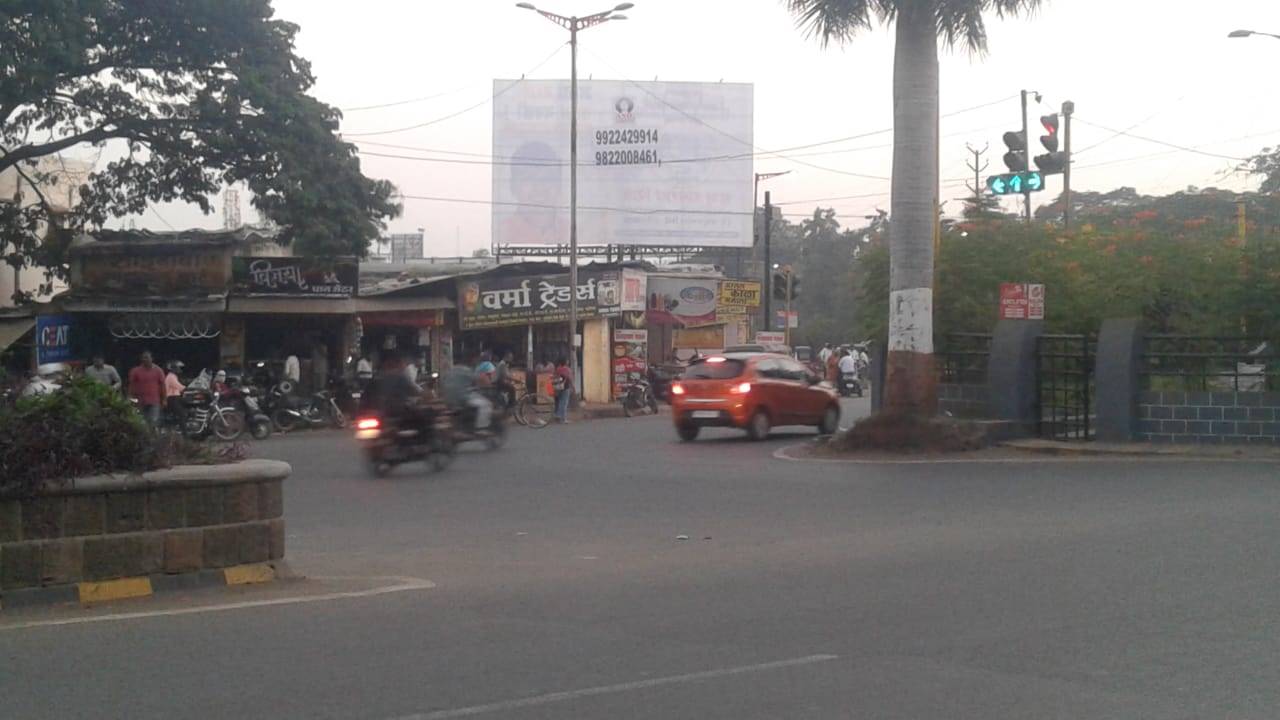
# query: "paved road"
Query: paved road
1045,589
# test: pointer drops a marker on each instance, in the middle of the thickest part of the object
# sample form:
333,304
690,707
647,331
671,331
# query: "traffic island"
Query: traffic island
109,537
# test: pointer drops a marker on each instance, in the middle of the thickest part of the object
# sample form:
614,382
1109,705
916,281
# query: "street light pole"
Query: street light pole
573,24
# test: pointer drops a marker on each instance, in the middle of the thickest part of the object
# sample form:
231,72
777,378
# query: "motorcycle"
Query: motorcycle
660,379
637,397
387,443
464,428
850,384
290,411
203,414
244,398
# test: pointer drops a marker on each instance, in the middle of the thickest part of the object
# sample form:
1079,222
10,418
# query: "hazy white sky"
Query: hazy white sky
1161,68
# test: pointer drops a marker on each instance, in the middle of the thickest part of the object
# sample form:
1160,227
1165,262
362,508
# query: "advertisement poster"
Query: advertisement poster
1021,301
740,293
629,358
684,302
295,276
486,302
642,148
634,283
53,339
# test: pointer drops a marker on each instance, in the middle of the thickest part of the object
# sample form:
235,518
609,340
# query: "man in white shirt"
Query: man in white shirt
848,364
292,369
824,353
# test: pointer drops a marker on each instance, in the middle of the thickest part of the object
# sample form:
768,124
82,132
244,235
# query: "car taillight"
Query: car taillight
368,424
677,389
742,389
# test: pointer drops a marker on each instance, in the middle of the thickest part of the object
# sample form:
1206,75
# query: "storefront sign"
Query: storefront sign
487,302
685,302
739,293
633,290
629,358
153,272
1021,301
53,339
701,338
770,338
305,276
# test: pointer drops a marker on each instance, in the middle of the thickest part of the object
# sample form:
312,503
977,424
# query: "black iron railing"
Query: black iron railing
962,358
1222,364
1064,371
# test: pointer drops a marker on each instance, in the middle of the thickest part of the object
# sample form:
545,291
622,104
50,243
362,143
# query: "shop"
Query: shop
524,309
291,306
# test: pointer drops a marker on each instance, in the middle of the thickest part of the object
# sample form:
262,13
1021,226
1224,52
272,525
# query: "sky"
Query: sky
1161,69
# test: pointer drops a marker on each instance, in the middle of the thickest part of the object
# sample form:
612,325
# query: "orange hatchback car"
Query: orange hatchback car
754,392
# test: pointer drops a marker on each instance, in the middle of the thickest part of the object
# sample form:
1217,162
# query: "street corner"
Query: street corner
1149,451
241,590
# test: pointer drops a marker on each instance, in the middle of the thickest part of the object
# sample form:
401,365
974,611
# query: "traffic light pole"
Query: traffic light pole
768,266
1026,195
787,323
1068,108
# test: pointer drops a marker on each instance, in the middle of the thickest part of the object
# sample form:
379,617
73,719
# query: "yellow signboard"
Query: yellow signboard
739,292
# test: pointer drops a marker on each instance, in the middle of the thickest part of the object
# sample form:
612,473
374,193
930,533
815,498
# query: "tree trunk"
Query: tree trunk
911,385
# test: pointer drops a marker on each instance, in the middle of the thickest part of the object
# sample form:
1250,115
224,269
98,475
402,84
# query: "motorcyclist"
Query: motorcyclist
392,395
461,394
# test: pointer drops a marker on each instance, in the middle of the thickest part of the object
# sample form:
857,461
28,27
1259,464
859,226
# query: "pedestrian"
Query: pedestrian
486,371
563,385
101,372
173,388
292,369
824,354
832,364
146,385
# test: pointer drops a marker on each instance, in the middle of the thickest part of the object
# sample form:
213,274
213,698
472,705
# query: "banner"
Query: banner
659,163
153,272
53,339
629,358
681,301
740,293
295,276
1021,301
487,302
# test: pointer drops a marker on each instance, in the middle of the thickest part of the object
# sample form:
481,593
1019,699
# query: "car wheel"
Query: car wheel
830,421
688,432
758,428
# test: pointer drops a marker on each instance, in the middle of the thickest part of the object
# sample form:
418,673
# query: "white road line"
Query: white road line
403,584
608,689
783,453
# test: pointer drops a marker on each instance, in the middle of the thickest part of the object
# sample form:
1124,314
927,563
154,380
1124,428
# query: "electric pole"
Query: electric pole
768,266
978,166
1026,194
1068,108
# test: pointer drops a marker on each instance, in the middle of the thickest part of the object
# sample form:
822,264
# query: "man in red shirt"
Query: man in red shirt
563,384
146,385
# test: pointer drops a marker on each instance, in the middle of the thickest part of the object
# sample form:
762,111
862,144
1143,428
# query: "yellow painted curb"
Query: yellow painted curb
91,592
249,574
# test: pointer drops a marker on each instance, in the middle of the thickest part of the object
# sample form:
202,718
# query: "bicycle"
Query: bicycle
533,409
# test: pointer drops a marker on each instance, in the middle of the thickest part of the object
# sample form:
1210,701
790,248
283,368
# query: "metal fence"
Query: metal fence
1222,364
962,358
1064,372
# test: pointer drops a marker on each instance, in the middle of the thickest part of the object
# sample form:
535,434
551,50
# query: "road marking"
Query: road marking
783,453
566,696
403,584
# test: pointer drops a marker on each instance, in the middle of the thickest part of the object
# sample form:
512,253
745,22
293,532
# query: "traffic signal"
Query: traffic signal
1016,158
1016,183
780,285
1052,162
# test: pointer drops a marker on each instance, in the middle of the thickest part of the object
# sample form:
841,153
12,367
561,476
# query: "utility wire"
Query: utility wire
1144,138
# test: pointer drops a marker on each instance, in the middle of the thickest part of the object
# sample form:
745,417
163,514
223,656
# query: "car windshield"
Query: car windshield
714,369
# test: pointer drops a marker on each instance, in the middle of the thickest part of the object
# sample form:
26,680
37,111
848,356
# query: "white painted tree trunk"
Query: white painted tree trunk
911,386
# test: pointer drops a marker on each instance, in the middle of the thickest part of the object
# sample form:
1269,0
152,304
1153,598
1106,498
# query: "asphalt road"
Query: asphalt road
1036,589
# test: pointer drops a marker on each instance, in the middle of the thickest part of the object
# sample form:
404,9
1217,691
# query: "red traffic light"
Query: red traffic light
1050,123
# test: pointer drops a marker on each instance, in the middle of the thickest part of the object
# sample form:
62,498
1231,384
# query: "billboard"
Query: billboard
503,301
659,163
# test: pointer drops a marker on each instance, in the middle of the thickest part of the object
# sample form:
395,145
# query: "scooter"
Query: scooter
850,384
638,397
386,443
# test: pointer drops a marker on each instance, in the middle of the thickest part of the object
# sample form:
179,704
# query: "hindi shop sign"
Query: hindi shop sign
1021,301
295,276
739,293
488,302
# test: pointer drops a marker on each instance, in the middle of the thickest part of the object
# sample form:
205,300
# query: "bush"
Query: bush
83,429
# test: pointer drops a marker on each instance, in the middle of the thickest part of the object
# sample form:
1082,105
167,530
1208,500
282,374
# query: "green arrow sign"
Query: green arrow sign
998,185
1015,184
1034,181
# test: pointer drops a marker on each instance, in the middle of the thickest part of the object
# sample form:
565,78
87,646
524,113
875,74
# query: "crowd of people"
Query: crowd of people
845,359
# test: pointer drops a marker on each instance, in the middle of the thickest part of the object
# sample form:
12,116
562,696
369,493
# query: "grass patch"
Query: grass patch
910,434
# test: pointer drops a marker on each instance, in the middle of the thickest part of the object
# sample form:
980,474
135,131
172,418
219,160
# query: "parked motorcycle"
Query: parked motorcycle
289,411
638,397
245,399
203,414
660,379
387,443
850,384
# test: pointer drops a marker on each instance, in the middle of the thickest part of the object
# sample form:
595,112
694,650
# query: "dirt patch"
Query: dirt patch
913,434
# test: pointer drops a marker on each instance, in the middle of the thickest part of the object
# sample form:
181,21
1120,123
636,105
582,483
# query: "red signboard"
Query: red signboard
1021,301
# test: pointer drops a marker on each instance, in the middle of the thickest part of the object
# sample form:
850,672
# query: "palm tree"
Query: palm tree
911,386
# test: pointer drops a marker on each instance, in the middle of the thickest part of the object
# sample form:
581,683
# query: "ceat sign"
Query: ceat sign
1021,301
53,339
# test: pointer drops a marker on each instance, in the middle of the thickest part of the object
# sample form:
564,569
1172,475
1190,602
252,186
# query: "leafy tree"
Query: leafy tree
1266,164
202,93
919,25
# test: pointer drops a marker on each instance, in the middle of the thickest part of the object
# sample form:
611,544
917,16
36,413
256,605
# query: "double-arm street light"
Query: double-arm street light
573,25
1247,33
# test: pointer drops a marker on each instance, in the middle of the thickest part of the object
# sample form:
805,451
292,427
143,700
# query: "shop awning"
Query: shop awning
279,305
13,328
399,304
203,304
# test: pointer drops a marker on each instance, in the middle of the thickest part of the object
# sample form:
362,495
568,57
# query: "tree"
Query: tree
1266,164
202,93
919,24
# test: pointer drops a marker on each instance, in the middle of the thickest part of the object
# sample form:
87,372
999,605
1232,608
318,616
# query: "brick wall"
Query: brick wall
964,401
180,520
1209,417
